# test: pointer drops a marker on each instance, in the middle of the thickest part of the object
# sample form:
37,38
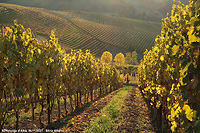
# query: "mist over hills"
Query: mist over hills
84,30
98,25
152,10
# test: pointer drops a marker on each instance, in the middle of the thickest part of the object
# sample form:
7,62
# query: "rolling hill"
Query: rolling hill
140,9
84,30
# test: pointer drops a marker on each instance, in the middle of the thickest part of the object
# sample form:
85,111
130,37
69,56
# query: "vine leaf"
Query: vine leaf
175,49
20,92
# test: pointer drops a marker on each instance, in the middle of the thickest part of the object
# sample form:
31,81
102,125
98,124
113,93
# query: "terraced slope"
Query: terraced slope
126,33
125,38
43,23
79,30
107,19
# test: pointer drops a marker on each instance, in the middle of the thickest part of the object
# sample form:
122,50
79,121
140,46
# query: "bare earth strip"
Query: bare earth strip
79,122
135,114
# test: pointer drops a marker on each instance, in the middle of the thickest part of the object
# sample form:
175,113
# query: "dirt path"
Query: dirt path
135,114
78,122
80,116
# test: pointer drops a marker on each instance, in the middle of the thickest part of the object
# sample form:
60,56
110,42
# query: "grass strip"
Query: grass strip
109,115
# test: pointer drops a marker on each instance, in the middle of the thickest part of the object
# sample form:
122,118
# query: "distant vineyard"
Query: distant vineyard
126,33
128,39
43,23
76,33
153,27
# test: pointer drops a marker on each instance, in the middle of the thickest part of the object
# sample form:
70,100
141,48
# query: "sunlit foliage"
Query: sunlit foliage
119,59
169,74
106,57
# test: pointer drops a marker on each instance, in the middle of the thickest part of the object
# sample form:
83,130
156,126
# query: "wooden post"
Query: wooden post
91,94
58,101
41,112
48,109
65,103
80,97
77,99
17,119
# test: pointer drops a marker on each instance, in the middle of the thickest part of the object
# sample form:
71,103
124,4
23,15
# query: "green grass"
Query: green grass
107,121
11,118
24,116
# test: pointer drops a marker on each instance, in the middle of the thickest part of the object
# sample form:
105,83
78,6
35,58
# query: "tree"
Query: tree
106,57
131,58
119,59
128,59
134,57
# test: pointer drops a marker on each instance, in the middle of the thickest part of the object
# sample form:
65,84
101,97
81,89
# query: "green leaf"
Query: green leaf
197,89
20,92
182,71
197,126
11,115
20,106
197,4
175,49
2,109
196,123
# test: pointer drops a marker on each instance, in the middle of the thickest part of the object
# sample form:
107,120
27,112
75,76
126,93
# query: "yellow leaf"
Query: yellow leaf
162,58
39,51
174,125
172,113
156,49
182,71
7,30
191,36
188,111
198,28
158,104
175,49
168,99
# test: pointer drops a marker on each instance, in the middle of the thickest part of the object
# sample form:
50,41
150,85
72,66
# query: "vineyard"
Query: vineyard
59,80
79,31
169,74
125,33
69,36
112,20
41,73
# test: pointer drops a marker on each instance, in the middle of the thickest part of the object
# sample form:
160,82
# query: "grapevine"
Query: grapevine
34,73
169,73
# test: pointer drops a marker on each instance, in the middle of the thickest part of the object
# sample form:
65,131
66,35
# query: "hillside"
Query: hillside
83,30
123,32
148,9
51,78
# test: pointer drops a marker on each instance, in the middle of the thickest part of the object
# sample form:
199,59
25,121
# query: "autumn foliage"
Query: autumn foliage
169,74
106,57
36,74
119,59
